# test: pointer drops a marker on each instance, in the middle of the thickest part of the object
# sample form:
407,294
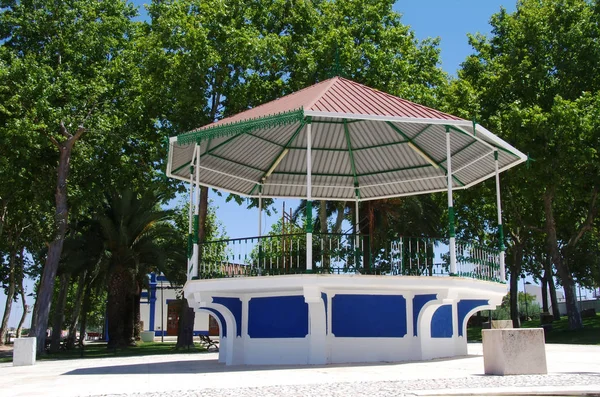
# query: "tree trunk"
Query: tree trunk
129,319
515,275
323,216
10,294
323,229
39,322
553,298
25,310
119,308
59,315
185,332
562,266
339,217
76,311
137,297
544,281
84,314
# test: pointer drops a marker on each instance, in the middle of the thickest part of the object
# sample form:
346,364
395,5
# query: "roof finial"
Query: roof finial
336,70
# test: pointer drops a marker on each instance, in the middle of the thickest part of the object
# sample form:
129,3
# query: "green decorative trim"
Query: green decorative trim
451,230
352,164
501,245
496,155
309,225
195,228
474,127
241,127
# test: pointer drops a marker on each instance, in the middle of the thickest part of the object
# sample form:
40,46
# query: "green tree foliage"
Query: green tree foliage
534,83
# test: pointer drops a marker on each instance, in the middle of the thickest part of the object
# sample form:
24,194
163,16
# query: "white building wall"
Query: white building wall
161,312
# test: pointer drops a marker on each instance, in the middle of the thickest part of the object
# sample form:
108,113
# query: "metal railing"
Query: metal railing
475,261
344,254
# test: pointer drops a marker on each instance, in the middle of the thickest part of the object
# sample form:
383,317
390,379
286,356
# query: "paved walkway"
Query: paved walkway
572,370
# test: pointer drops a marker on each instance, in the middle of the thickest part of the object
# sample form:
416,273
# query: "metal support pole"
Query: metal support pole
190,247
260,208
195,252
309,226
357,220
451,231
501,245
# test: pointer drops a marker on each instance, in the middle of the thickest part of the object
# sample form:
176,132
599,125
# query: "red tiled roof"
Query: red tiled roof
339,95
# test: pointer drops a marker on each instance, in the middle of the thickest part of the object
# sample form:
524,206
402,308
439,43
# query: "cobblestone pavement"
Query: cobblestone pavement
472,384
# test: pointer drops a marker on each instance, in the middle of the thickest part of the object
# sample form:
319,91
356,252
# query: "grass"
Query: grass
99,350
560,333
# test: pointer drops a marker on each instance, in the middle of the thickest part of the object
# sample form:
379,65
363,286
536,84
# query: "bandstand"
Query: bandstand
311,298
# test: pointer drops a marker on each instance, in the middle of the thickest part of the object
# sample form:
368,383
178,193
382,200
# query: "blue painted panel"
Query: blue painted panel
418,302
464,307
144,294
222,323
235,307
278,317
324,297
368,316
441,322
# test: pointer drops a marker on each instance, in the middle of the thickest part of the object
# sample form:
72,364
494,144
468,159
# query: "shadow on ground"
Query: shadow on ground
213,366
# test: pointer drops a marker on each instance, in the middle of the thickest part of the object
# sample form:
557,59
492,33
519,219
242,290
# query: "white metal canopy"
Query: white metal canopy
365,145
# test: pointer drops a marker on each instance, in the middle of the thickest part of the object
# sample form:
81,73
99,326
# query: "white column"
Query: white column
309,256
500,228
190,222
195,252
317,349
451,231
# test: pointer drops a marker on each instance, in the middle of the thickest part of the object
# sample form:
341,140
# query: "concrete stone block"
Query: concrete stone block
502,324
24,351
514,351
147,336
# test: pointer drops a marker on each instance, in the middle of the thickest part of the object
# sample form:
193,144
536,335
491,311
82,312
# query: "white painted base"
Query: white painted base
147,336
320,345
514,351
24,351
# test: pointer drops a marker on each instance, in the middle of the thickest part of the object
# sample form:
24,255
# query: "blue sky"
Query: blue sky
450,20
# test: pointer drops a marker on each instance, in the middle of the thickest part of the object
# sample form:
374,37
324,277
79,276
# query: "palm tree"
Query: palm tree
134,230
